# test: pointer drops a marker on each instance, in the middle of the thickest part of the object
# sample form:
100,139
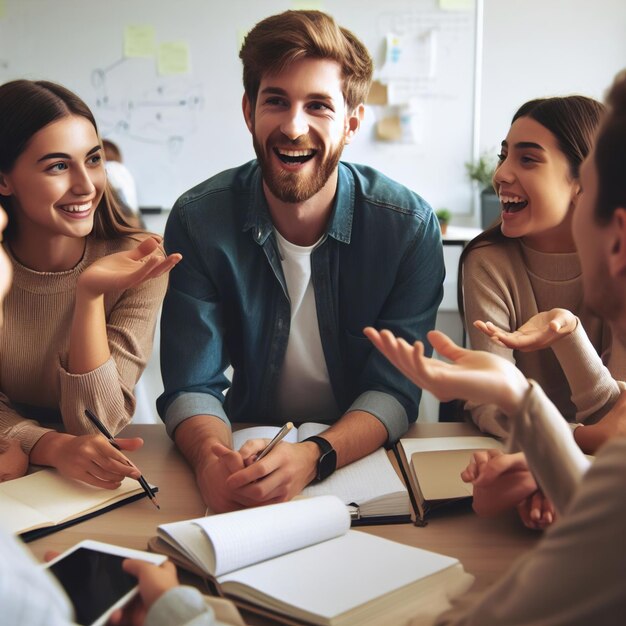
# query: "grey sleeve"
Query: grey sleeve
181,606
548,443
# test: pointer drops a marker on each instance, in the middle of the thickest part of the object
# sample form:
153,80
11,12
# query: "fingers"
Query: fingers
252,447
49,555
445,346
536,511
231,459
146,247
137,567
129,444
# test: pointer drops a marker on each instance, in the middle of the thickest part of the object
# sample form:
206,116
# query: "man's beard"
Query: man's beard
295,187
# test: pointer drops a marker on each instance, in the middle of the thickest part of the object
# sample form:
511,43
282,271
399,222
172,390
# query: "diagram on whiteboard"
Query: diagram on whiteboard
158,110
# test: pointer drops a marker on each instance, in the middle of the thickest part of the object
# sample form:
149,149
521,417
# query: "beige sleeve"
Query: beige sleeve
594,391
14,426
576,574
486,298
108,390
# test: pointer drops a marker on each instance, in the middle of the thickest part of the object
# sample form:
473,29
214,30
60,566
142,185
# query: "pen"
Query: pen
280,435
103,429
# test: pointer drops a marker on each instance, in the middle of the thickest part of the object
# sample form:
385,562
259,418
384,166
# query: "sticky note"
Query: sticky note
139,41
173,58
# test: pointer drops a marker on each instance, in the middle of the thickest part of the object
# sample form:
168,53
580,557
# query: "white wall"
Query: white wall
537,48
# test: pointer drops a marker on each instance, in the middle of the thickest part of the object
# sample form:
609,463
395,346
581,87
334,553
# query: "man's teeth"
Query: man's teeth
296,153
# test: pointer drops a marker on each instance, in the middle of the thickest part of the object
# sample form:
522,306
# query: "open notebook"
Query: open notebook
43,502
300,560
371,484
433,466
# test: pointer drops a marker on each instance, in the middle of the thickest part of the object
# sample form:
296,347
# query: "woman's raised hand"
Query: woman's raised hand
126,269
539,332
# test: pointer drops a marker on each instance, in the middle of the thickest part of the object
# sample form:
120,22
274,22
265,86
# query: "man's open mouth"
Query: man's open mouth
293,157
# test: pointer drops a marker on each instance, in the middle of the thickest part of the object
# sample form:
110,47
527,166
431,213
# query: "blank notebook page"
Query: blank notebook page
338,575
252,535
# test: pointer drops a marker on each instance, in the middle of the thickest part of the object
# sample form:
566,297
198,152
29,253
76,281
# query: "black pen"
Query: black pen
103,429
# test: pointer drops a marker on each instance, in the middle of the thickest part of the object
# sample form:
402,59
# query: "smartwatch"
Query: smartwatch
327,463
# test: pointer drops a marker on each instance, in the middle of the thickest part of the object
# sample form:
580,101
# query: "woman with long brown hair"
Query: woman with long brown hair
527,263
79,319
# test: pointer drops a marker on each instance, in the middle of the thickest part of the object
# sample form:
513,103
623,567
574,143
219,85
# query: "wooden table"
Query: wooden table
486,547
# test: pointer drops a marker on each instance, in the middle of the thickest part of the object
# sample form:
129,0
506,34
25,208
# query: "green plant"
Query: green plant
481,171
443,215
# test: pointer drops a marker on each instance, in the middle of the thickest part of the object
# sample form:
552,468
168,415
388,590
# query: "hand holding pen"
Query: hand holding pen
103,429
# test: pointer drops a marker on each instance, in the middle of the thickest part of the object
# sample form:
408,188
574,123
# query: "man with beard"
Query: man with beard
286,260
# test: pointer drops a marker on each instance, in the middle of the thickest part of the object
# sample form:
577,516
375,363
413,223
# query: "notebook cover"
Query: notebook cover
31,535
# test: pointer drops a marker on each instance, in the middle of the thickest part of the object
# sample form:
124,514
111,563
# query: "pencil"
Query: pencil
103,429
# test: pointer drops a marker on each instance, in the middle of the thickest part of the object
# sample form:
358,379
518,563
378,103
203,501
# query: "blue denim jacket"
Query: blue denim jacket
380,264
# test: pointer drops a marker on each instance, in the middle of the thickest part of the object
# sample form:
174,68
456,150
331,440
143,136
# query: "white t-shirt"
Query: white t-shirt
304,390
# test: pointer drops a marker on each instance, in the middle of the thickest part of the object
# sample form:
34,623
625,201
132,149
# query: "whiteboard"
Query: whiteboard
176,131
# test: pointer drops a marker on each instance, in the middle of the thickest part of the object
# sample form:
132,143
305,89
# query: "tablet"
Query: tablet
91,574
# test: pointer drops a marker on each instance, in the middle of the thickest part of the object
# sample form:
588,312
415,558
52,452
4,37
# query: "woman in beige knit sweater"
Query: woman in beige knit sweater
527,263
79,319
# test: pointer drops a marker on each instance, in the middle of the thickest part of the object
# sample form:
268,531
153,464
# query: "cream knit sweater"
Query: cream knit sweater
34,342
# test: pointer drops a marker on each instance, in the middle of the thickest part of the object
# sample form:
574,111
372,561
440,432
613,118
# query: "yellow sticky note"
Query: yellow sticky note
307,5
139,41
456,5
173,58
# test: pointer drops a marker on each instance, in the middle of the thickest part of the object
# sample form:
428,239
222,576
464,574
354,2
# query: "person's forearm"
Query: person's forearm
355,435
89,347
593,389
48,447
195,436
553,457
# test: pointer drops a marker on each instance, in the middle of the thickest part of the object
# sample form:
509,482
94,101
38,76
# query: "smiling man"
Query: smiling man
286,259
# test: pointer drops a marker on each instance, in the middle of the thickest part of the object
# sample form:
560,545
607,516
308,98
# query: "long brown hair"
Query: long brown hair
573,120
27,106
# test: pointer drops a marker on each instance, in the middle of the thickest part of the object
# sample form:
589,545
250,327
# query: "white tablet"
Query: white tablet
91,574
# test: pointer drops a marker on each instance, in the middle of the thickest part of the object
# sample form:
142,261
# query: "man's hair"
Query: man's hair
610,153
279,40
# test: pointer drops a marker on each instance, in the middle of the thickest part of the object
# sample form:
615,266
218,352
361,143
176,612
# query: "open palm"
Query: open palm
128,268
539,332
477,376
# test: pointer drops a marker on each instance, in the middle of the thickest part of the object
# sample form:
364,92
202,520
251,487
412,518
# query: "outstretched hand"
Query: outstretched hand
126,269
477,376
539,332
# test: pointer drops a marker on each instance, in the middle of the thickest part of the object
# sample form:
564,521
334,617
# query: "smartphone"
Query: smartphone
91,574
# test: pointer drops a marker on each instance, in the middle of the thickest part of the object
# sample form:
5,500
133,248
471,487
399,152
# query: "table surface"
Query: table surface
486,547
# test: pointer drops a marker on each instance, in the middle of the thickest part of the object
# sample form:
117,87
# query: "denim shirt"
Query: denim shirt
379,264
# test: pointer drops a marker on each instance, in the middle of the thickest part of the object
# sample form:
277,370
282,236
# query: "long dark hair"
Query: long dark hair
573,120
27,106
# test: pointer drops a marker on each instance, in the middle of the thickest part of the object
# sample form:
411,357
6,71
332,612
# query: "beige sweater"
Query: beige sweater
507,283
34,342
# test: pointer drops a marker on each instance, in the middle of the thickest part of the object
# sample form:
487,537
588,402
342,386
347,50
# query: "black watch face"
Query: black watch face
326,464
